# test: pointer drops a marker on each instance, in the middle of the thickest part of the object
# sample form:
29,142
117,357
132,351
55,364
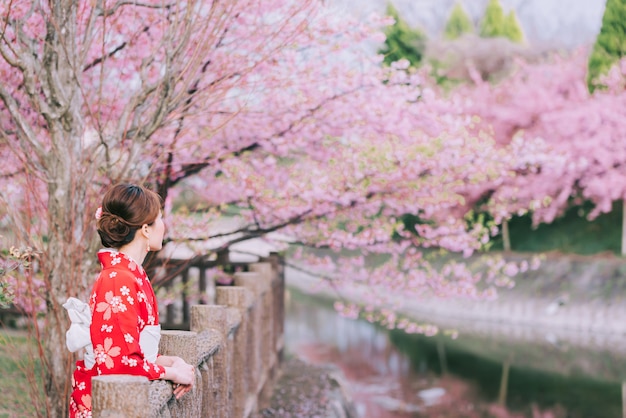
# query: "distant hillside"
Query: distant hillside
546,23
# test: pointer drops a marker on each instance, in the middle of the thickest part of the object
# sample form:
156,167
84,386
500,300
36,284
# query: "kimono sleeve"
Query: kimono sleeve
115,328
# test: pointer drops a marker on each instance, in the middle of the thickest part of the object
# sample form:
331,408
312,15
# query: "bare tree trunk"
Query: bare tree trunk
506,238
624,227
68,183
504,382
65,277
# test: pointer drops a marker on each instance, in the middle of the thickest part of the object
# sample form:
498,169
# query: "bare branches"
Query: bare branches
108,55
24,60
6,46
101,12
247,233
28,138
13,173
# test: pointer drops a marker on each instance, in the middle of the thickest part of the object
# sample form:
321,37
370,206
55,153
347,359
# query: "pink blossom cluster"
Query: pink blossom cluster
566,143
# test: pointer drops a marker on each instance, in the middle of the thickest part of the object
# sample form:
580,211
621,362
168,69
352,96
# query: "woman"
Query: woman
122,315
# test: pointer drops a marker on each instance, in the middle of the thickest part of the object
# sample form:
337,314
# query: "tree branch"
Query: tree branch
101,59
188,170
22,125
108,12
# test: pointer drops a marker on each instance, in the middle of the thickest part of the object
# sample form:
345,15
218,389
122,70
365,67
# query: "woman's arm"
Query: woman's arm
182,374
168,361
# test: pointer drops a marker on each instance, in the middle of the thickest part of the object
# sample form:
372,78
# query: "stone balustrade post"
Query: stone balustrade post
184,344
269,359
253,282
238,297
120,396
278,286
217,382
267,315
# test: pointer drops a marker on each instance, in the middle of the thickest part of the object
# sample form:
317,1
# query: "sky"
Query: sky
546,23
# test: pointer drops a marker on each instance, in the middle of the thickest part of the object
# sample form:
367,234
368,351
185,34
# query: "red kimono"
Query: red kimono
122,305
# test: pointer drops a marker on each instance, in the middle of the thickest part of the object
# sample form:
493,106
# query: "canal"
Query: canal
391,374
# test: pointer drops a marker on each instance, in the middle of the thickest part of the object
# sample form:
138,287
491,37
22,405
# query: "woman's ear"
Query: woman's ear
145,230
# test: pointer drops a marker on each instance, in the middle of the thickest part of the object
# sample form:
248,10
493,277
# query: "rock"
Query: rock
431,396
307,391
396,405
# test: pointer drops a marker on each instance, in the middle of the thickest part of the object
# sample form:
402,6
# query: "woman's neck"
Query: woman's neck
135,250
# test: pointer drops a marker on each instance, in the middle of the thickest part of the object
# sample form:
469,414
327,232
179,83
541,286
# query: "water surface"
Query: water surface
392,375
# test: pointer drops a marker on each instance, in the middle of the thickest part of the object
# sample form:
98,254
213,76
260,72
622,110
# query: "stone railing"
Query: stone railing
235,344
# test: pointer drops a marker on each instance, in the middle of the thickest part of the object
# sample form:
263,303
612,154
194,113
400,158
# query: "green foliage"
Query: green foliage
496,24
458,23
492,24
6,295
610,45
21,382
486,221
571,233
512,28
402,41
11,260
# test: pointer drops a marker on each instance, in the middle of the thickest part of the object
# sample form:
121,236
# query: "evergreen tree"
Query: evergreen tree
512,28
458,23
492,24
496,24
402,41
610,45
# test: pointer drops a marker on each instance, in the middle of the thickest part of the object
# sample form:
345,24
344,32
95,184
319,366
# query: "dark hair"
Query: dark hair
125,208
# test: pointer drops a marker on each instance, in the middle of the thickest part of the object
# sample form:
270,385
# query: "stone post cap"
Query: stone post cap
253,281
204,317
120,396
234,296
120,379
183,344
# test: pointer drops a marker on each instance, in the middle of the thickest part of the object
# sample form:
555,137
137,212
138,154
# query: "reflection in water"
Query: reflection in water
577,394
376,371
394,375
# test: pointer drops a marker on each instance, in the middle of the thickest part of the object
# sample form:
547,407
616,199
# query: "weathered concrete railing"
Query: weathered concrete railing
235,344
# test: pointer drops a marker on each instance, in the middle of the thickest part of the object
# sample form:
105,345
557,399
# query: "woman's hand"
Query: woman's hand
180,390
182,374
187,371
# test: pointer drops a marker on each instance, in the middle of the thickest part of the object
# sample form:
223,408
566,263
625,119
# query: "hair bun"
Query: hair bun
114,231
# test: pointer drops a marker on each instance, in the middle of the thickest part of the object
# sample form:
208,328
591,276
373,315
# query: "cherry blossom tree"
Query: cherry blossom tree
278,108
573,139
97,92
413,156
